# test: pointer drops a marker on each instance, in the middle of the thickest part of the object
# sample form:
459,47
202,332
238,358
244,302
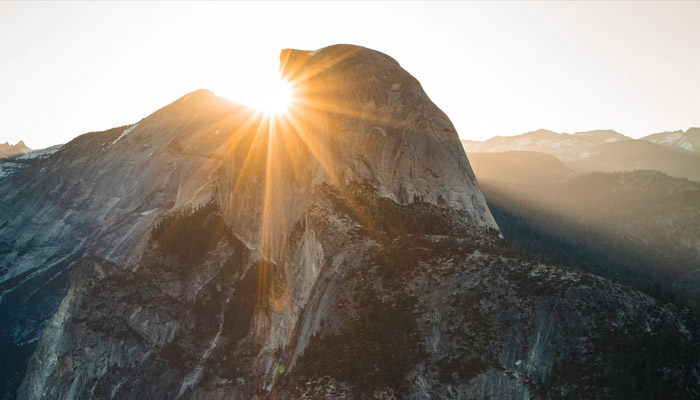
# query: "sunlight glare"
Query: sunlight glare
274,96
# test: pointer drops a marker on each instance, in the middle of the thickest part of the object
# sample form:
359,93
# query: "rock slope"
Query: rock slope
99,195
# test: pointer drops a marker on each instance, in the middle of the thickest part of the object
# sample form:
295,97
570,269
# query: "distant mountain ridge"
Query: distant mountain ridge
678,140
8,150
564,146
640,228
571,202
674,153
640,155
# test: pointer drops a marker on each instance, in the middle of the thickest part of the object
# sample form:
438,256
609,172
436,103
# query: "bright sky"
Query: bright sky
494,68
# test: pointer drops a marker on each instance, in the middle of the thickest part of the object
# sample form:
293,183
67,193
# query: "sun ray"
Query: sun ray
312,146
281,133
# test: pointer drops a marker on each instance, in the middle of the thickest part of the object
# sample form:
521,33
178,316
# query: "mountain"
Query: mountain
639,228
604,151
678,140
344,250
640,155
96,195
8,150
101,193
563,146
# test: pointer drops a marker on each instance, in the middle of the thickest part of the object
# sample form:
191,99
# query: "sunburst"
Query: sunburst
274,98
276,140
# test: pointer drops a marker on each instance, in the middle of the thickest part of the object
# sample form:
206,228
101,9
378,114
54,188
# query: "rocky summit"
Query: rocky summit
8,150
342,249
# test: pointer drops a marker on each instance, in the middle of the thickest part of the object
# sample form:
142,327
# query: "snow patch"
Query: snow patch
686,145
126,132
149,212
670,138
41,153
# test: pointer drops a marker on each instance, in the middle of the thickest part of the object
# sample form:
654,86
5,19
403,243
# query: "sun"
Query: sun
274,98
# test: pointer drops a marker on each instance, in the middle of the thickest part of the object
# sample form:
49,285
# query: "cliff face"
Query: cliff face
358,117
98,195
342,249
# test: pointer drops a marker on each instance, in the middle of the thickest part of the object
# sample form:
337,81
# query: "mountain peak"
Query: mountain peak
20,145
677,140
542,132
597,132
10,150
601,136
359,118
198,94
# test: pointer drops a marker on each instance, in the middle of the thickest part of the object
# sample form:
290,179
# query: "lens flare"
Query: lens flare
274,98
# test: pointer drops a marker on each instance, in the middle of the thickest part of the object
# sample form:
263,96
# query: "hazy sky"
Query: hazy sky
494,68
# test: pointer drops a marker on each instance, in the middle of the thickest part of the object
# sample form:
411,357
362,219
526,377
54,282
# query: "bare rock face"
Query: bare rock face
98,195
8,150
343,249
358,117
377,125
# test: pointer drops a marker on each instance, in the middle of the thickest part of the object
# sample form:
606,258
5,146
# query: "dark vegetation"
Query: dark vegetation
378,343
234,360
608,224
383,217
373,350
189,234
225,305
557,240
636,367
92,137
368,352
